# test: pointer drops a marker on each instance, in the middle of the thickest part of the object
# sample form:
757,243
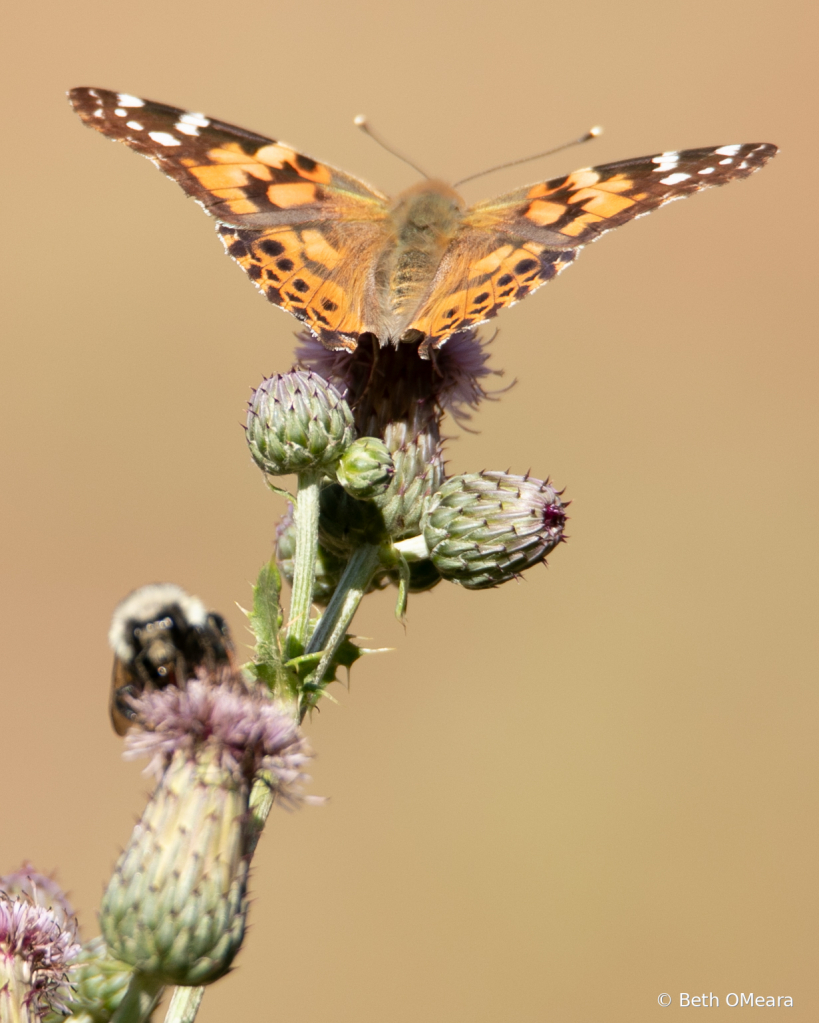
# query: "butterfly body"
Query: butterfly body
346,260
425,220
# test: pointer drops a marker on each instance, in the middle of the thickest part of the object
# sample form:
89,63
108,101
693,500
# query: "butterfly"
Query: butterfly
347,260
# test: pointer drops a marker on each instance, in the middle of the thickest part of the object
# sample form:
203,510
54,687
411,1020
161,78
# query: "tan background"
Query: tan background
553,801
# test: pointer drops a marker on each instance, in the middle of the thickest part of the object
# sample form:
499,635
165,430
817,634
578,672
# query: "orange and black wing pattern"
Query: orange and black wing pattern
280,212
510,246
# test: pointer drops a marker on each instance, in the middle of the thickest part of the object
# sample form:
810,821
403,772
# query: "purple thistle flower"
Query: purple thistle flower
450,381
37,946
244,729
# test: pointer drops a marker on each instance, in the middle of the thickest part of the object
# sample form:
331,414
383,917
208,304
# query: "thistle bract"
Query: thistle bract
419,470
485,528
298,423
365,468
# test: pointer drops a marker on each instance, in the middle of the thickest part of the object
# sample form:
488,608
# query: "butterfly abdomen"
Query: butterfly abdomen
426,219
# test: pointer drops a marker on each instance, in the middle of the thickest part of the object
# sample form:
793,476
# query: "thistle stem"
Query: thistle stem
185,1003
140,999
332,627
304,568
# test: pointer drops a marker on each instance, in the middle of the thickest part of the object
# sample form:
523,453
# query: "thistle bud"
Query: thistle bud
328,565
297,423
345,523
416,449
176,904
365,469
485,528
38,943
98,983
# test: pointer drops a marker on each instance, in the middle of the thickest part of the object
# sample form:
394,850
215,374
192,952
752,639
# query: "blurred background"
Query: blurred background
551,801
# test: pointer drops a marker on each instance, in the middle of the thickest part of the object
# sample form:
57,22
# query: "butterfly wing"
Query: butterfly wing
510,246
298,228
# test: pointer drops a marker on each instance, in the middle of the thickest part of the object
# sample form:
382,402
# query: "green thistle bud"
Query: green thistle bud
298,423
176,904
98,983
485,528
416,451
366,468
345,523
328,565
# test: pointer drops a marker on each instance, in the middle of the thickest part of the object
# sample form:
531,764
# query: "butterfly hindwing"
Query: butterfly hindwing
314,271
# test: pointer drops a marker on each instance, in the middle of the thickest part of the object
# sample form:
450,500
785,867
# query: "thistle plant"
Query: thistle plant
372,508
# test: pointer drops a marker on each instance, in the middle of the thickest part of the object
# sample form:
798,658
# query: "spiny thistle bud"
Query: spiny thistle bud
98,983
297,423
416,449
37,945
485,528
365,469
328,565
175,907
345,523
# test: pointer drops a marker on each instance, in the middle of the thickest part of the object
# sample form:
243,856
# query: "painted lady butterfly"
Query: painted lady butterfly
347,260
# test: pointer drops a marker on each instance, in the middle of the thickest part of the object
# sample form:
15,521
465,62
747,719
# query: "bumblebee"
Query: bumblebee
160,636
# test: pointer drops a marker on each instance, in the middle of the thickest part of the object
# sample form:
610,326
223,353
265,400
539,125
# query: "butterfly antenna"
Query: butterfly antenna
592,133
360,121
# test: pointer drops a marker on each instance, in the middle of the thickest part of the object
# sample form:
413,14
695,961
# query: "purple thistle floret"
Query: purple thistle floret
246,729
37,946
42,890
450,380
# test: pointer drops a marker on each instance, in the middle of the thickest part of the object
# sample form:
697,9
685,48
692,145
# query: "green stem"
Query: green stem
140,999
304,568
185,1003
332,627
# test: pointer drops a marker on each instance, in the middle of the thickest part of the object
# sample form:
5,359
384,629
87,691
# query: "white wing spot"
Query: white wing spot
163,138
706,170
120,112
743,165
674,179
135,125
727,160
199,120
186,129
125,100
728,150
665,162
99,112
